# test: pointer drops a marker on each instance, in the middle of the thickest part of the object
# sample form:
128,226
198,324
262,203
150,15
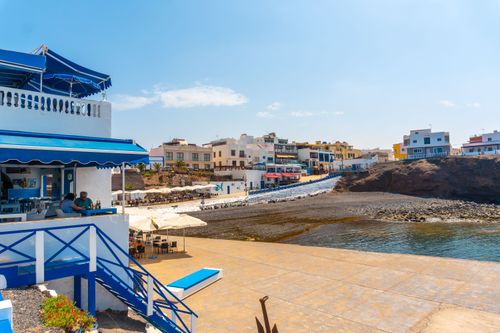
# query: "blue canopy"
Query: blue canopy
17,68
72,83
24,70
38,148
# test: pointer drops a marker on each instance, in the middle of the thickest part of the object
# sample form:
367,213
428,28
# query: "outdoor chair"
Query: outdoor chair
173,246
141,250
164,246
62,214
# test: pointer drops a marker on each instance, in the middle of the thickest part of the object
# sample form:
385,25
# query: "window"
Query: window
242,153
215,165
233,152
242,164
471,150
489,139
234,163
417,151
196,166
195,156
427,141
220,153
215,154
220,164
169,156
207,166
437,150
180,156
206,157
440,139
414,141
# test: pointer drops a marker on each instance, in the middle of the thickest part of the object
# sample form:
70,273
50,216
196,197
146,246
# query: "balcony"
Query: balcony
25,110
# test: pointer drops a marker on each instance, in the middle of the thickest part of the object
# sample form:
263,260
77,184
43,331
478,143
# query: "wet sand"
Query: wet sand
278,221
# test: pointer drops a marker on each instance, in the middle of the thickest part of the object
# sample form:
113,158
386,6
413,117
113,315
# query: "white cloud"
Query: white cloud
274,106
201,96
474,105
264,114
447,104
301,114
339,113
127,102
197,96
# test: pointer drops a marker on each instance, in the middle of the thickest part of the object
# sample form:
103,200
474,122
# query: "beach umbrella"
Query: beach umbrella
179,221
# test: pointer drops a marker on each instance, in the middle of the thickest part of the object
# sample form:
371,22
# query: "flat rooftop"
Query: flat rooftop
314,289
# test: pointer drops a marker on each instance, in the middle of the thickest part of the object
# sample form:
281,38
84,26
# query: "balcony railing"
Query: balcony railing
427,155
30,100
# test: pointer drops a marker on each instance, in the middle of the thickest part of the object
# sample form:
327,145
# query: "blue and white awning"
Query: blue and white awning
54,149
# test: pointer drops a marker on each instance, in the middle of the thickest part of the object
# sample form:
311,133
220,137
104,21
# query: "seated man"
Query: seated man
68,205
83,201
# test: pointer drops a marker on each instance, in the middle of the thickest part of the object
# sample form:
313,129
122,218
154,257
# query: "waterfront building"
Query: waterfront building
284,151
55,142
156,156
384,155
341,150
180,152
423,143
317,161
399,151
484,144
245,152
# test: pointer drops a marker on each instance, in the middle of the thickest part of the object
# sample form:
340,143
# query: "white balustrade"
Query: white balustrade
30,100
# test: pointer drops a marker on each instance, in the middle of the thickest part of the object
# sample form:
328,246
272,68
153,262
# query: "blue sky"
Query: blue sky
362,71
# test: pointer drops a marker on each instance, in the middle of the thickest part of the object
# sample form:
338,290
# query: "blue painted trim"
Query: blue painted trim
77,290
91,293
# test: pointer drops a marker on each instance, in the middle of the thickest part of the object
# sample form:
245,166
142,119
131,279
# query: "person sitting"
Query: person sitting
68,205
84,201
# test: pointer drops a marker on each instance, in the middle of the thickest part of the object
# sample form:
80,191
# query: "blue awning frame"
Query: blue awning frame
68,150
25,71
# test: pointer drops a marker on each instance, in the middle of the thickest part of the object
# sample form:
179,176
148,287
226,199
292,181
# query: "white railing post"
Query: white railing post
40,257
193,323
92,249
174,317
150,296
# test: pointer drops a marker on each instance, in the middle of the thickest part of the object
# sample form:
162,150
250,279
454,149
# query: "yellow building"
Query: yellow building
400,152
342,150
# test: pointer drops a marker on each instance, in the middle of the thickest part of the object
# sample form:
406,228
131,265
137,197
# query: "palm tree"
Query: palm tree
180,164
157,167
141,167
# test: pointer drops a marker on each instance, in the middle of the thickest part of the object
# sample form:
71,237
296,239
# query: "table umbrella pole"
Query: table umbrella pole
184,240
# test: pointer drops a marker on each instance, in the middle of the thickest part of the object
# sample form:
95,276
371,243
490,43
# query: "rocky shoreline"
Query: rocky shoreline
276,221
432,210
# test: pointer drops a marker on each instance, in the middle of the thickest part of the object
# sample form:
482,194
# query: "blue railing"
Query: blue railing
135,286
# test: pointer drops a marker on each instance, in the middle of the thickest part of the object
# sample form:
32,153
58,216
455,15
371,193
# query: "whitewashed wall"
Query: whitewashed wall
96,182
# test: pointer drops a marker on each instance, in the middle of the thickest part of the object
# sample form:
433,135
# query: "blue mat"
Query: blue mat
5,326
194,278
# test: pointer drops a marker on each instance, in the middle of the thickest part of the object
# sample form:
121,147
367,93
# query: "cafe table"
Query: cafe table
101,211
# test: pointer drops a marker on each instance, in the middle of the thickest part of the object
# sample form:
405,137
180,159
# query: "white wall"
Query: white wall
96,182
54,122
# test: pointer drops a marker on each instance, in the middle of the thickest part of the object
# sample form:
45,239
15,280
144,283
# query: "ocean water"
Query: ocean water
454,240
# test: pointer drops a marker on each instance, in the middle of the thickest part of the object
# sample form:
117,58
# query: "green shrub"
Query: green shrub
61,312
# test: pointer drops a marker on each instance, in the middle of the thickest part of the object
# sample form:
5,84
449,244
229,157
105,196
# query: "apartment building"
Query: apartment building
284,151
424,143
190,155
341,150
240,153
399,151
317,161
484,144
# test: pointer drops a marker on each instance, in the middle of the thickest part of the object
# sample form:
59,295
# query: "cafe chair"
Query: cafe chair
164,246
173,246
62,214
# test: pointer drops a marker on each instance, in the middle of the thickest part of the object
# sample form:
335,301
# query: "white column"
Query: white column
40,257
174,317
150,296
193,323
92,249
123,188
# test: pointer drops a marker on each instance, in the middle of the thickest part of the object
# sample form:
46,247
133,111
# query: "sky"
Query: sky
361,71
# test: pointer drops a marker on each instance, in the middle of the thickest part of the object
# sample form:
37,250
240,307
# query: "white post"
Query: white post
150,296
184,240
40,257
193,323
174,317
92,249
123,188
41,81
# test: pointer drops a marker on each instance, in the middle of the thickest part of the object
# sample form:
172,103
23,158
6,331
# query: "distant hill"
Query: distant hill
466,178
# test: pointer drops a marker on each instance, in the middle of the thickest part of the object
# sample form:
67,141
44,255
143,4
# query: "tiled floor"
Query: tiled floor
333,290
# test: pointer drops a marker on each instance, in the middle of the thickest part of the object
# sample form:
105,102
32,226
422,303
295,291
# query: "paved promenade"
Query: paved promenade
314,289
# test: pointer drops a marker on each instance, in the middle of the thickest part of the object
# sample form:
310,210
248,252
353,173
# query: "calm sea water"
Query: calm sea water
455,240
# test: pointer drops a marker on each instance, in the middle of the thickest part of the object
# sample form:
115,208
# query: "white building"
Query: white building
424,143
53,142
317,161
484,144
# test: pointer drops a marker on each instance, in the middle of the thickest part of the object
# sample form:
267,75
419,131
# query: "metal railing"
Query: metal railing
102,255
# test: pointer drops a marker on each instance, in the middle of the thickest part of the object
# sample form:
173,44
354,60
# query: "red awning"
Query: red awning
272,175
286,174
